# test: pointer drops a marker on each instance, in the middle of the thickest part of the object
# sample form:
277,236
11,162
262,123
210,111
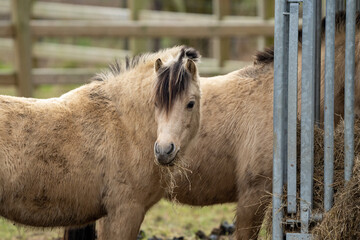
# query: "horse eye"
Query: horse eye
190,104
156,105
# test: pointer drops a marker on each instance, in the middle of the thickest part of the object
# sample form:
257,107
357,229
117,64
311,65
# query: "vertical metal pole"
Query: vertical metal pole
278,151
340,5
336,6
349,87
329,104
318,31
292,107
285,82
307,113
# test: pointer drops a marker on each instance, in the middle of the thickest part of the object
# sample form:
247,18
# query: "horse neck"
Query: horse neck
131,93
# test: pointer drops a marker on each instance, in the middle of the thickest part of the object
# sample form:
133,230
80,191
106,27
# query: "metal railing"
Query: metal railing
286,111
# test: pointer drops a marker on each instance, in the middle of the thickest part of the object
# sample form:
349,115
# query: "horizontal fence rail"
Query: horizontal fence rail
79,28
66,11
6,29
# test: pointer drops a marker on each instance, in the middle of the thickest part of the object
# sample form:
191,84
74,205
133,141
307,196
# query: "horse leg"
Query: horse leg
87,232
254,185
250,214
123,223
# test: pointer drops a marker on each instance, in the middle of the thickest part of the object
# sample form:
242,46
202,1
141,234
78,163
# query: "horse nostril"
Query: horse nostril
172,148
157,151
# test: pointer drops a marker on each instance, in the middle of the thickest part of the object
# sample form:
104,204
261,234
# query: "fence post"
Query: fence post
136,45
265,10
20,16
269,11
260,8
221,8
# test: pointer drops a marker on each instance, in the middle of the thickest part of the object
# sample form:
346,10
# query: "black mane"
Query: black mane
116,68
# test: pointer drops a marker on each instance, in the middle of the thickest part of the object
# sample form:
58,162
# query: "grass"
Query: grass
173,220
165,220
10,231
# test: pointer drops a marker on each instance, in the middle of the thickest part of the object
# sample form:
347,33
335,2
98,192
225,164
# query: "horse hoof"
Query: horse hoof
213,237
201,235
141,235
227,229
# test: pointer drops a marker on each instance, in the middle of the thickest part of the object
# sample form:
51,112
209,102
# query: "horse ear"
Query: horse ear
158,64
191,67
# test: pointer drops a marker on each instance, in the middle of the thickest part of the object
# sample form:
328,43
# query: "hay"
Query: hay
343,221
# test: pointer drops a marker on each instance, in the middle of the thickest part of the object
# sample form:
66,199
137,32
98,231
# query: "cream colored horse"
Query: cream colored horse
231,158
90,153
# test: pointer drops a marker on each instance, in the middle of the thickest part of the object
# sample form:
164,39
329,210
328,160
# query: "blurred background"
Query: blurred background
49,47
67,41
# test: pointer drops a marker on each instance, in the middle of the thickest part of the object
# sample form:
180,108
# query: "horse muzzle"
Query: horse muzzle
165,154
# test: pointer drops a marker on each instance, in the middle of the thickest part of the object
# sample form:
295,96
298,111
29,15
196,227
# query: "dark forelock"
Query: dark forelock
174,80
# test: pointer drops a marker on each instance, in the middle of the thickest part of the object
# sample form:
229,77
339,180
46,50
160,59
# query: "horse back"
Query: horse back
49,169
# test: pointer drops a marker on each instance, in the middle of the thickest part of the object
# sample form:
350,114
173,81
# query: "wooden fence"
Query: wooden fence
66,20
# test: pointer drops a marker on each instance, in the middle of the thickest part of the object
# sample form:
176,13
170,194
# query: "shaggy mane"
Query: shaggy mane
267,56
174,80
116,69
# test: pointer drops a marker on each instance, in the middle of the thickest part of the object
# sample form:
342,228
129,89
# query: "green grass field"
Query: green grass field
169,220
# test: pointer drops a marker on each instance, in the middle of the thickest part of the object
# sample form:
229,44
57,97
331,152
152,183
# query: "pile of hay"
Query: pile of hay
343,221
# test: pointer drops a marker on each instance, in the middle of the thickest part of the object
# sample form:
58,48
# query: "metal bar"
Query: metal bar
318,31
285,83
292,107
349,87
278,149
329,104
340,5
307,114
298,236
